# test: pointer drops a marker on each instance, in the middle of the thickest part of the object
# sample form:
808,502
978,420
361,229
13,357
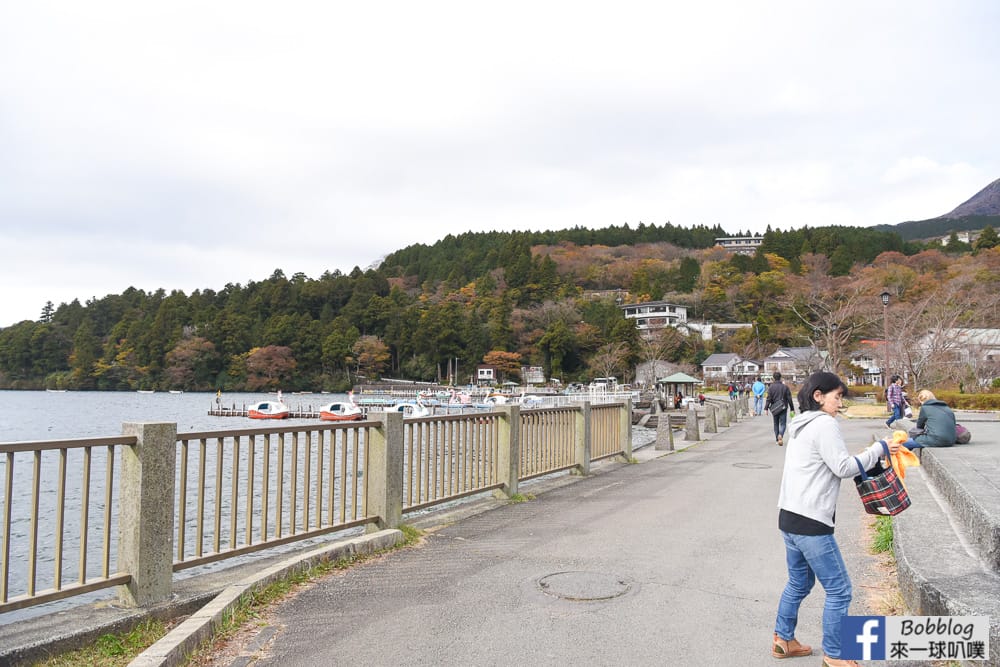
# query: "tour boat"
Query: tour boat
268,410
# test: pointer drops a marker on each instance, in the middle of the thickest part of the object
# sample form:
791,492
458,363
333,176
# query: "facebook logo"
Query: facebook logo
862,638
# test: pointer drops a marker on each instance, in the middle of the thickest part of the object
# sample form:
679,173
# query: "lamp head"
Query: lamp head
885,298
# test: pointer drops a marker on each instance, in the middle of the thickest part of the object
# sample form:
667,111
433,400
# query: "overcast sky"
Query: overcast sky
187,145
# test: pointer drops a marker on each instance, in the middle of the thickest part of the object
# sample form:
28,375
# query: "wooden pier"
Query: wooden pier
233,411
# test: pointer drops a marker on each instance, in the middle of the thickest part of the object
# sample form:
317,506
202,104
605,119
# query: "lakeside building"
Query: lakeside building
741,245
651,316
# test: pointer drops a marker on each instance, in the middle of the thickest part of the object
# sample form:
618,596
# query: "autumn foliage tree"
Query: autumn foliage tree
507,363
268,368
371,356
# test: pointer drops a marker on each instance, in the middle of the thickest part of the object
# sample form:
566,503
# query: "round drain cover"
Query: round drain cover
583,586
752,466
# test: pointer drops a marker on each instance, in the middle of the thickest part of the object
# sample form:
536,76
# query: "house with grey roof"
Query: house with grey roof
794,363
720,367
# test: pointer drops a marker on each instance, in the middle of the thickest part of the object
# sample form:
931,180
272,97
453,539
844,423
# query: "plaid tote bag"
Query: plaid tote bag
881,491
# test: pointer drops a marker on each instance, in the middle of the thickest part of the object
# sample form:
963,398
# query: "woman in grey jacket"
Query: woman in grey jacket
816,461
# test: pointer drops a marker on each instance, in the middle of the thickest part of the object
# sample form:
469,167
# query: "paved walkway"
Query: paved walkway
681,552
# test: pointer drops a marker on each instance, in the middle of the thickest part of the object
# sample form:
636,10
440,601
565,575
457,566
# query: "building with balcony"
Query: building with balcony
655,314
743,245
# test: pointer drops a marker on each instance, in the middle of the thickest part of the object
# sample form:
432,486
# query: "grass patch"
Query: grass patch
521,498
882,540
111,650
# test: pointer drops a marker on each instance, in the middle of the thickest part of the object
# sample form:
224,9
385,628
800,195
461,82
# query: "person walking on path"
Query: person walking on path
758,388
779,401
816,461
894,399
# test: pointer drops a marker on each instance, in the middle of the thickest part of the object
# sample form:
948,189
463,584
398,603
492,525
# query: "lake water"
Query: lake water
33,415
43,415
40,415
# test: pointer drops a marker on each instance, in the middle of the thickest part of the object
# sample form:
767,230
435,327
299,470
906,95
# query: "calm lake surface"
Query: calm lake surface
43,415
40,415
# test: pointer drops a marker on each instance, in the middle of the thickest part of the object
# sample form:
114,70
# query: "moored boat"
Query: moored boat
415,409
341,411
268,410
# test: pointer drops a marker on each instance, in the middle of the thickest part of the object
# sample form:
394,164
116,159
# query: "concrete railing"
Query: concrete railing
239,491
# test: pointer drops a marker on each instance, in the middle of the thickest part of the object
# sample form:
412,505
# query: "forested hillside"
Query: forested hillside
538,298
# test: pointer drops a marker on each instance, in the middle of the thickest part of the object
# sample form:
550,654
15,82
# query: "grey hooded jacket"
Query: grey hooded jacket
816,460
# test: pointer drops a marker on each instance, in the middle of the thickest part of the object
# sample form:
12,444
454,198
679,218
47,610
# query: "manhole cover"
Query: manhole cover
583,586
752,466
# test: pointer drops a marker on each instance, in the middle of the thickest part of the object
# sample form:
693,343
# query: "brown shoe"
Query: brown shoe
839,662
780,441
789,649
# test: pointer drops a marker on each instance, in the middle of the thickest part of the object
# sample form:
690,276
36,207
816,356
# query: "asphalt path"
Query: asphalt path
676,560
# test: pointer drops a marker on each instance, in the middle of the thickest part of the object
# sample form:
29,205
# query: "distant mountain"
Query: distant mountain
981,210
985,202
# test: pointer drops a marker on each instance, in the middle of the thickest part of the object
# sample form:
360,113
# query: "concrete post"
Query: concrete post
711,425
691,424
508,450
584,442
384,469
724,415
664,434
625,429
146,513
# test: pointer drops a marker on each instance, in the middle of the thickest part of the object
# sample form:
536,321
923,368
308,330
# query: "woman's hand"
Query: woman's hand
893,446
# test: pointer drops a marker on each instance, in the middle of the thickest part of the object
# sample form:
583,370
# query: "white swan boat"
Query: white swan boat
341,411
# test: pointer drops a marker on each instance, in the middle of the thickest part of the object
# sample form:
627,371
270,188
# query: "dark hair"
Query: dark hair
777,376
824,382
893,379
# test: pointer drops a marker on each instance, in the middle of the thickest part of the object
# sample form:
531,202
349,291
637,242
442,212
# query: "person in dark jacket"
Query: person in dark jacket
779,402
937,421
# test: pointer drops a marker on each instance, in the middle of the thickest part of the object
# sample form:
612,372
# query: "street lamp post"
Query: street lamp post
885,325
832,347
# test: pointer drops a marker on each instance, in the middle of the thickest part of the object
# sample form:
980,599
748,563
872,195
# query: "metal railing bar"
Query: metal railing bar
50,595
234,493
84,515
280,491
265,430
306,479
251,476
8,495
60,520
33,538
295,484
200,523
182,500
109,480
542,473
43,445
217,515
265,487
457,496
274,542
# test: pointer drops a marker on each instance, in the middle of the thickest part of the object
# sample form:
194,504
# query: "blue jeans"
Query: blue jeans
812,557
780,422
897,413
758,405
